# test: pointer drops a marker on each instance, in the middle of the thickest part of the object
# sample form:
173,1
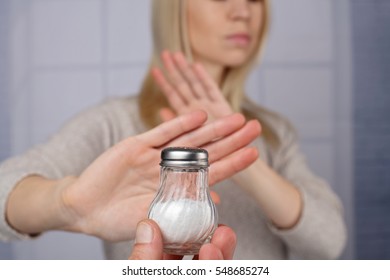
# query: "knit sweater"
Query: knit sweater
319,234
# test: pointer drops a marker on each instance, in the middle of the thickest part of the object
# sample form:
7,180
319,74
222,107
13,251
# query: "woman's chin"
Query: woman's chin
236,59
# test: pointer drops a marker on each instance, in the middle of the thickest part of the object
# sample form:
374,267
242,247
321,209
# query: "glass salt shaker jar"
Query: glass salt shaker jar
183,207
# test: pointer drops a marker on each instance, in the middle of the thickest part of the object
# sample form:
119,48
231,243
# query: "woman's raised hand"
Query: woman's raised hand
114,192
110,197
188,88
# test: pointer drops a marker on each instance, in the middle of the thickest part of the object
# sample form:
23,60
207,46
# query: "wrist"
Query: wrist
279,199
69,218
34,205
250,179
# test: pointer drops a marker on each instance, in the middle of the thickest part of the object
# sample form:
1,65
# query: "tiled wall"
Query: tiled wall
296,77
371,21
4,83
69,55
307,76
5,249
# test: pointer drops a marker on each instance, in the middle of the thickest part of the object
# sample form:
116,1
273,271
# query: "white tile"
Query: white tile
19,8
301,31
20,119
58,96
19,48
304,96
320,158
129,32
66,32
124,82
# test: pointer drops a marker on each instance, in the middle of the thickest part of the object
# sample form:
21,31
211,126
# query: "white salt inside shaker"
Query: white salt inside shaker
183,207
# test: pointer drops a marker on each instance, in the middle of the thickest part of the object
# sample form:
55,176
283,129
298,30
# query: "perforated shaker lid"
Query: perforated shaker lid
184,157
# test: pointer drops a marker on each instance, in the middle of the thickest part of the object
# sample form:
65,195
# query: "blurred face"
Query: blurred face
224,32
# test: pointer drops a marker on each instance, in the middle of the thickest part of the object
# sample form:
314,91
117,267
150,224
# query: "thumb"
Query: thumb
167,114
148,242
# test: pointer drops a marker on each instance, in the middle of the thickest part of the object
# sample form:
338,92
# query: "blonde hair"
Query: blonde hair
169,29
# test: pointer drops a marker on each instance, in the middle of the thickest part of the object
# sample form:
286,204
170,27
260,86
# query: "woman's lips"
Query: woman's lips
239,39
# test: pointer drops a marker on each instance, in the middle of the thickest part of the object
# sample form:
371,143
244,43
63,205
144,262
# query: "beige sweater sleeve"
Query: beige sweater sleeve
321,232
67,153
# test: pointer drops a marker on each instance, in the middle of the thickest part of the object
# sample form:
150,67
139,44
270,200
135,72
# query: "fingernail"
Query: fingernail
144,233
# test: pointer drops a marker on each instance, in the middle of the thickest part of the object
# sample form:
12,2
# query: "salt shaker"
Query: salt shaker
183,207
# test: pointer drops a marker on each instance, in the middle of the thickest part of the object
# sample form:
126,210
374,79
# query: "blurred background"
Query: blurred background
327,68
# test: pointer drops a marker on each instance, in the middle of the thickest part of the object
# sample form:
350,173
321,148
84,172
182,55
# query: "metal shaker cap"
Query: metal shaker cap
184,157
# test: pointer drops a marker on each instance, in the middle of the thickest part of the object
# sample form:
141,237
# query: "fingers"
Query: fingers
226,137
221,247
184,82
215,197
208,83
209,252
148,242
168,90
237,140
189,86
212,131
176,78
167,114
225,239
233,164
170,130
187,71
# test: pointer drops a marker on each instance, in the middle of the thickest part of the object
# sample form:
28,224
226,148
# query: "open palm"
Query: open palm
188,88
115,191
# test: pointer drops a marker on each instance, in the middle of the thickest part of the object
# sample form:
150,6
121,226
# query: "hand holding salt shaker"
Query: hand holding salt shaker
183,207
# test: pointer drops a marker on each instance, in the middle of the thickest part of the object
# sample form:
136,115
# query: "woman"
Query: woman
277,206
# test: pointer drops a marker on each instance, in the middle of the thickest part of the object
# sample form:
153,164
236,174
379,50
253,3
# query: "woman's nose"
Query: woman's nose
239,9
